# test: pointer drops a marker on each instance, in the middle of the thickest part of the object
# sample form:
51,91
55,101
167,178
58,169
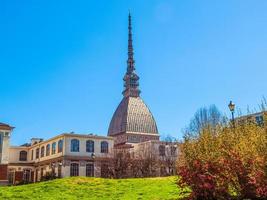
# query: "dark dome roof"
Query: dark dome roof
132,116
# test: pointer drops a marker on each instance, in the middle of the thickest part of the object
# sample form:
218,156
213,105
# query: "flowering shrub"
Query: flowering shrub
225,163
205,180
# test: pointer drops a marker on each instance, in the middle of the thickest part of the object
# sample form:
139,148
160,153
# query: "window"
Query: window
26,176
259,120
42,172
104,147
32,155
90,170
162,150
48,150
75,145
1,141
42,152
90,146
74,169
60,146
37,153
54,148
23,156
11,176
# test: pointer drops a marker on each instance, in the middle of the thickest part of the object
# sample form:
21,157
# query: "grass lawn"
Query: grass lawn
97,188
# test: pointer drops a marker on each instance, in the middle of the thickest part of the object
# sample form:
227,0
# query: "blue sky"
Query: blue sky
62,62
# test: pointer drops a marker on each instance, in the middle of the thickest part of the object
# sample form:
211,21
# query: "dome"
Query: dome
132,116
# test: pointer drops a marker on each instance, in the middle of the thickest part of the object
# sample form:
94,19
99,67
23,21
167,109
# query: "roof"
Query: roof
4,126
132,115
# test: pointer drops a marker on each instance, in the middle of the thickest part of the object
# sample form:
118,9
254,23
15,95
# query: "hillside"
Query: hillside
96,188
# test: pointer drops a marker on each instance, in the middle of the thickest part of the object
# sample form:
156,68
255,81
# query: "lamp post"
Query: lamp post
59,169
231,106
53,165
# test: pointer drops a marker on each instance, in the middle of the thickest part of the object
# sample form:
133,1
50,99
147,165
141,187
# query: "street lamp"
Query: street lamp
93,156
231,106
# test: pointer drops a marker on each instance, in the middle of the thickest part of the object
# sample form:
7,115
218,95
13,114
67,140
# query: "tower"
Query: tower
5,132
132,121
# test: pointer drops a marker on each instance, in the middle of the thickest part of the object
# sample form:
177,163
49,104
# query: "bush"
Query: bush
48,176
225,162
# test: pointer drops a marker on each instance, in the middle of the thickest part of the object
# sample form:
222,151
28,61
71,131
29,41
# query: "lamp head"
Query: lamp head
231,106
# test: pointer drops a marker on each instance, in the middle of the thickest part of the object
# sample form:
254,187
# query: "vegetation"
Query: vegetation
225,161
203,118
143,163
97,188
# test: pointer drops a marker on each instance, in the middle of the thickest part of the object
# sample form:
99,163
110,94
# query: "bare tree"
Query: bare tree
168,161
205,117
122,163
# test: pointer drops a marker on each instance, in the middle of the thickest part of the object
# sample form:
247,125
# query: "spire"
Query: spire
130,44
131,79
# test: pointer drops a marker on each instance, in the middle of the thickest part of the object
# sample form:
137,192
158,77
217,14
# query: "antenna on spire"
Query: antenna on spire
130,44
131,79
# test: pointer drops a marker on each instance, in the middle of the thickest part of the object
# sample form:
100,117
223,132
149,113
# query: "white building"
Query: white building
64,155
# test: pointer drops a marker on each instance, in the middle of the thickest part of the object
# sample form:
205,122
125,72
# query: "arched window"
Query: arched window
54,148
32,154
90,169
104,147
75,145
74,169
23,156
162,150
90,146
37,153
60,146
48,150
42,151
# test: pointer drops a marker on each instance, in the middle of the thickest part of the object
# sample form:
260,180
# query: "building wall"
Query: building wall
259,118
4,153
5,131
164,159
82,152
3,174
39,167
14,153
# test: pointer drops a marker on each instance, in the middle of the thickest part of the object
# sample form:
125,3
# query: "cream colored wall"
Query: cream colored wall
65,171
5,147
20,167
14,152
153,148
97,146
43,144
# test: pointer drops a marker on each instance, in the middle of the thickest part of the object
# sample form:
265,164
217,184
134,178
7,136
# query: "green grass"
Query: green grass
97,188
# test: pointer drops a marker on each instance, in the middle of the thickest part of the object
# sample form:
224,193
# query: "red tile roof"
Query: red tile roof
5,126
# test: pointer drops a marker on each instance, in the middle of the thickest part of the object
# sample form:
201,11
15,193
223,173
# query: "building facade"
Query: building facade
65,155
259,118
163,155
5,132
